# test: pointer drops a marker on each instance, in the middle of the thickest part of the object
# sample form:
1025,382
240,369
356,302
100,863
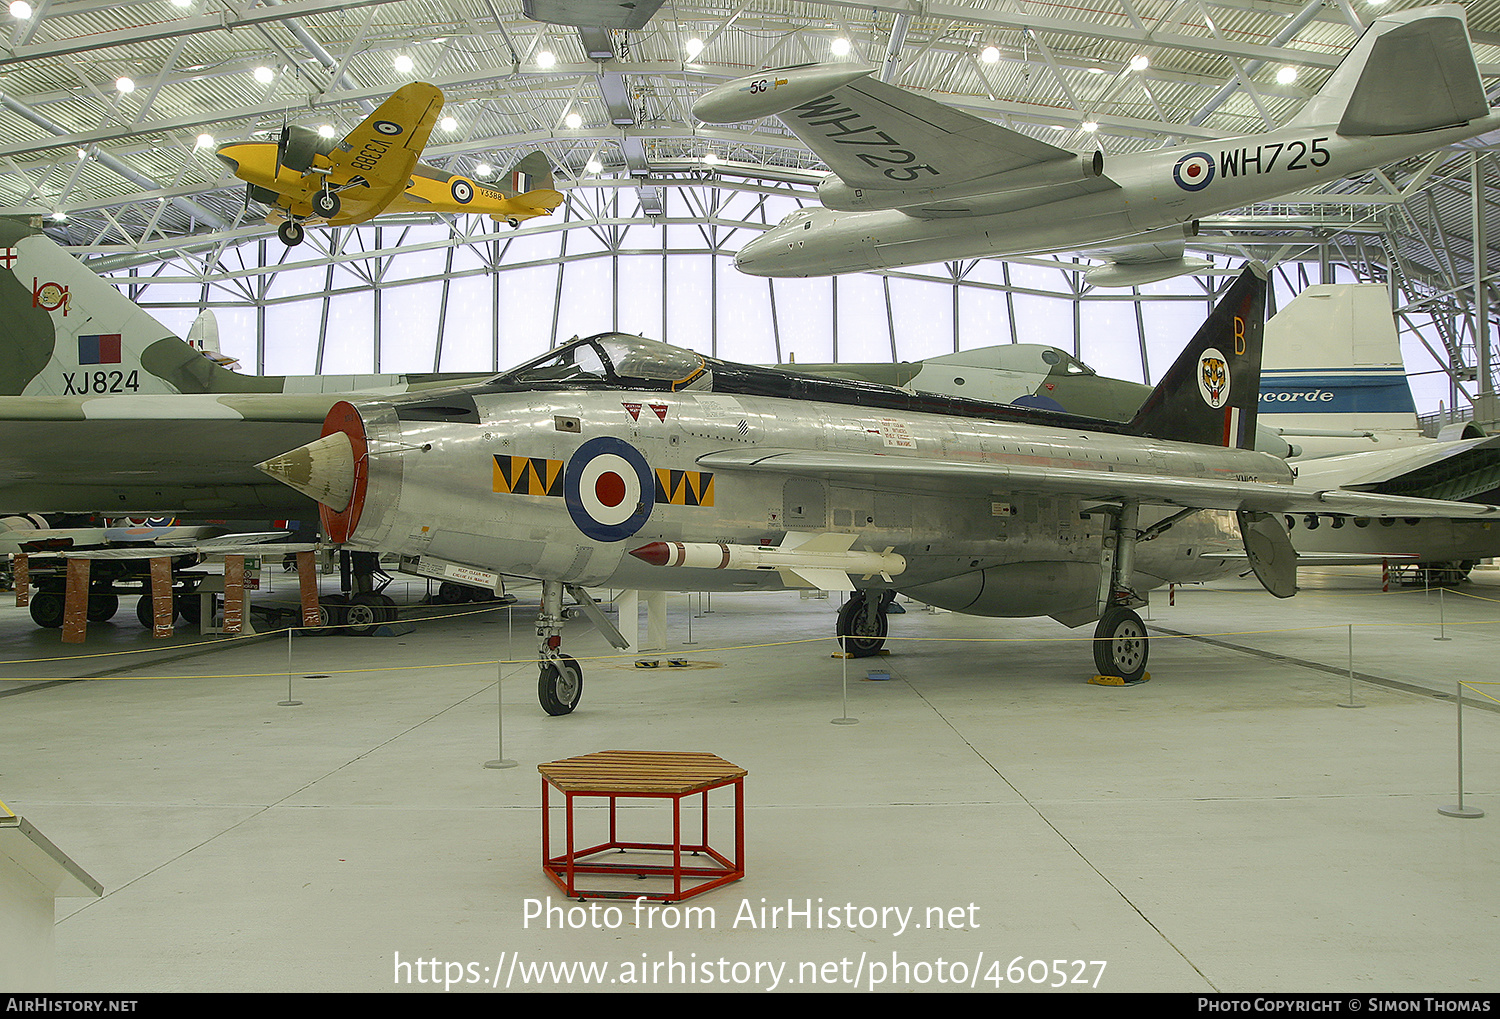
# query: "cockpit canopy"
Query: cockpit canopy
614,359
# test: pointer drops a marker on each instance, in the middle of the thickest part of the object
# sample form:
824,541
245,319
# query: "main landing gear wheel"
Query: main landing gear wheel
1121,645
326,204
560,685
862,624
290,232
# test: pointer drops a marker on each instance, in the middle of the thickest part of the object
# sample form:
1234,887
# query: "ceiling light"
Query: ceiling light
1090,125
448,124
841,47
710,159
483,169
593,165
59,217
402,63
20,10
574,120
82,153
990,54
325,130
182,3
1140,62
546,59
205,141
694,47
1286,76
1096,70
124,85
264,75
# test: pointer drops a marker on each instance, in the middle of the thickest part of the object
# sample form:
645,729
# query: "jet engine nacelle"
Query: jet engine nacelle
839,196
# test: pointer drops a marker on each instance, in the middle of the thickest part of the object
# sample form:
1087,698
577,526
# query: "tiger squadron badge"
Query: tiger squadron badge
1213,377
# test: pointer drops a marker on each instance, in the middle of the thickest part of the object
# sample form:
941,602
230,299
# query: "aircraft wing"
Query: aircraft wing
879,136
1000,480
384,148
178,454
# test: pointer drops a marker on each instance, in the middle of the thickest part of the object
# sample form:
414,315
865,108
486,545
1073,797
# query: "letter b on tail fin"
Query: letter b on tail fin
1210,394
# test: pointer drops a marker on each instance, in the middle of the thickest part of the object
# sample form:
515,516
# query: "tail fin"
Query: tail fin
1410,71
532,173
1210,393
70,333
1333,361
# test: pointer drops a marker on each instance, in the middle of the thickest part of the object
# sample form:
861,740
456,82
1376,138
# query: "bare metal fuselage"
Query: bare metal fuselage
981,550
1153,194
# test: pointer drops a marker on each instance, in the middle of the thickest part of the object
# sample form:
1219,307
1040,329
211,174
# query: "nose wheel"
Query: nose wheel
560,685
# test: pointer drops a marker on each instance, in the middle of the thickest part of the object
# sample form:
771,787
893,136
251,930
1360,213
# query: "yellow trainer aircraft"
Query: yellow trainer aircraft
305,177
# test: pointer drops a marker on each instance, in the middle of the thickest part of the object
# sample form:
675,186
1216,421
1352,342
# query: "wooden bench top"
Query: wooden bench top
659,772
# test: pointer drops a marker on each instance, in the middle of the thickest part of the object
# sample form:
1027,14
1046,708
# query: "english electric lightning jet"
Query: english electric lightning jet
914,181
619,460
374,169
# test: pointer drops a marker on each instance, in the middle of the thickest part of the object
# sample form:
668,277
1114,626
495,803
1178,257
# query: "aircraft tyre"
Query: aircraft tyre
102,607
862,624
47,609
560,685
365,612
332,612
188,606
512,222
1121,645
326,204
290,232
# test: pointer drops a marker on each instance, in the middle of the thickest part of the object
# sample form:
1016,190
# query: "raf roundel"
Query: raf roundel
387,127
1194,171
461,190
608,489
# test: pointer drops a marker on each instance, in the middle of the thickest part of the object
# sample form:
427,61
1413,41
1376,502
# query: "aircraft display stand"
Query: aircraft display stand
630,774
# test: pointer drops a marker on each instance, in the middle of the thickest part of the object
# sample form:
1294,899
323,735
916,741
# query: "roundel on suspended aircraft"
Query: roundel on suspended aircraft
608,489
461,190
387,127
1194,171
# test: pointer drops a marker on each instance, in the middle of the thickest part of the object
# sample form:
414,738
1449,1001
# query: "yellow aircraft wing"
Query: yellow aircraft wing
382,151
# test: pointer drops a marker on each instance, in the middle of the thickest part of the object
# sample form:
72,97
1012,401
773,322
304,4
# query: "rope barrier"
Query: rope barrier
531,659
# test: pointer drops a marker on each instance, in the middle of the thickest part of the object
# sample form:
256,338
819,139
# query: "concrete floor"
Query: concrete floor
1226,826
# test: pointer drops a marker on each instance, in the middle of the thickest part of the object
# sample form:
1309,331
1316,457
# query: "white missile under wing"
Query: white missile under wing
914,181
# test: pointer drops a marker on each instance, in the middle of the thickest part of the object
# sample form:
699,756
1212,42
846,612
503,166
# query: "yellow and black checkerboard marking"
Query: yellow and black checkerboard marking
528,475
684,488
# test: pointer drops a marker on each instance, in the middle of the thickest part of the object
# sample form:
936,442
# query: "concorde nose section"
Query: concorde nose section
771,92
322,470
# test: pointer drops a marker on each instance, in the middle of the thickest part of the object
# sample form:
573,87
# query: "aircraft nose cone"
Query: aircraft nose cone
322,470
751,255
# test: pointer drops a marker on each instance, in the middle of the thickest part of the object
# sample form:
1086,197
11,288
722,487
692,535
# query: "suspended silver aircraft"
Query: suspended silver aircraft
622,461
914,181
